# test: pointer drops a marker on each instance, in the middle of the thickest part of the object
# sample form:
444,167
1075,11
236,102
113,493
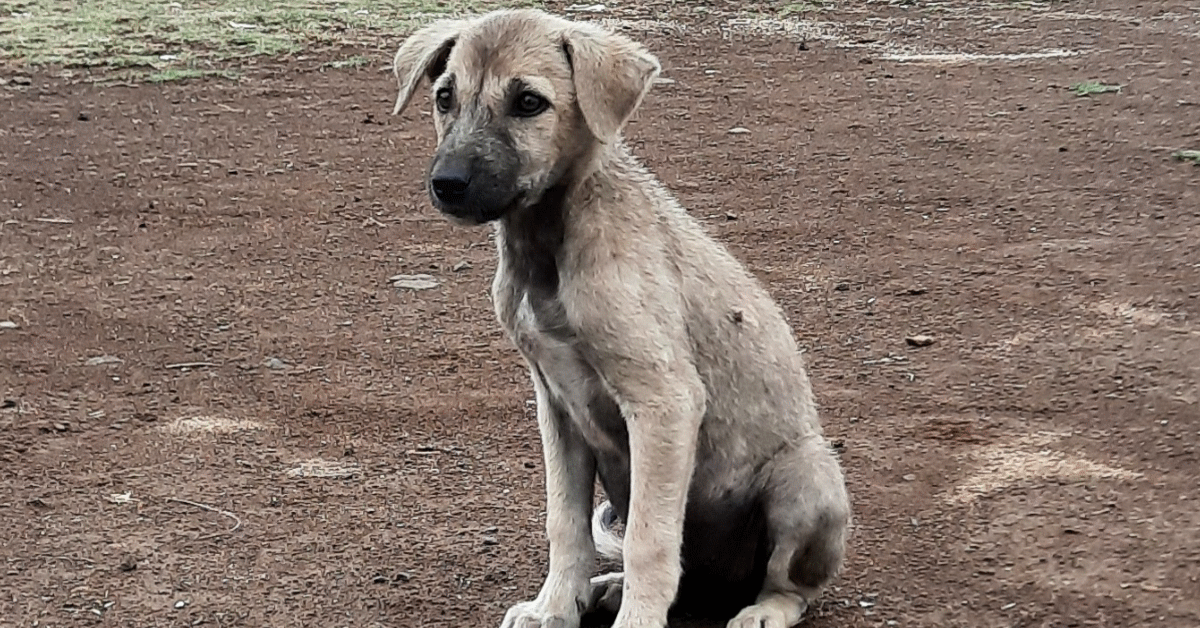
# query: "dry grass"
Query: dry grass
177,40
1028,458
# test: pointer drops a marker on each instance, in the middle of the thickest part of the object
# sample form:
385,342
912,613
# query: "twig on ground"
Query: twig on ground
189,365
237,523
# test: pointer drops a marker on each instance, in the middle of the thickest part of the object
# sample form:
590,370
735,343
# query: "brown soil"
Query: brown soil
1036,466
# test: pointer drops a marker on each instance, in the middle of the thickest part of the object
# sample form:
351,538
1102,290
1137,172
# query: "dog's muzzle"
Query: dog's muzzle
471,189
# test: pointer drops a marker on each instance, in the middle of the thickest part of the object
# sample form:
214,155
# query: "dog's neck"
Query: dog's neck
531,239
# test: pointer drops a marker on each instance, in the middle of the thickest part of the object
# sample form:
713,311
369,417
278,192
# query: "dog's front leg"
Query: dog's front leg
663,432
570,477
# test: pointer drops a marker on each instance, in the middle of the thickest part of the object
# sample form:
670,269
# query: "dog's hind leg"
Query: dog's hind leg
606,592
808,516
606,588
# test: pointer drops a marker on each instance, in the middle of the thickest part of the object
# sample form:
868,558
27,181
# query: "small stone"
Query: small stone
587,8
414,282
62,426
490,540
21,80
8,325
730,216
461,266
274,364
327,469
102,359
180,604
83,116
919,340
909,477
739,130
664,81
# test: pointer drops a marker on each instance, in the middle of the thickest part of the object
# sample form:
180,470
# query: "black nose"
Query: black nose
450,189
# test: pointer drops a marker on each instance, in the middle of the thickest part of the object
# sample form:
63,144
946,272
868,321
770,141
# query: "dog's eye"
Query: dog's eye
529,104
444,99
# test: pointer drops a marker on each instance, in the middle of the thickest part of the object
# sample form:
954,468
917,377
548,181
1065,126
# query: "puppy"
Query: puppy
659,363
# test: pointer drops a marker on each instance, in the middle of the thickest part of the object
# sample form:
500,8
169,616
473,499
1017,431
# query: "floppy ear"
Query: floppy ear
423,55
612,74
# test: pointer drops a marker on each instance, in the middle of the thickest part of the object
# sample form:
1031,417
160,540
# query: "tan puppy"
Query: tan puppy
658,361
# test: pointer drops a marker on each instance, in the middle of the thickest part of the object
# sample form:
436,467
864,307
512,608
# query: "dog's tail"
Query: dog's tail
609,542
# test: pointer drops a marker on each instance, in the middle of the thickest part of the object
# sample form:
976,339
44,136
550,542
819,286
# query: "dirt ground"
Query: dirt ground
215,409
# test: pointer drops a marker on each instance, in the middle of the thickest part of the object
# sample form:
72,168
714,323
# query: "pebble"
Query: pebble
102,359
919,340
274,363
739,130
414,282
587,8
8,325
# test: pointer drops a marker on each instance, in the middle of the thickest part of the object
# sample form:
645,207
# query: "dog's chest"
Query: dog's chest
539,329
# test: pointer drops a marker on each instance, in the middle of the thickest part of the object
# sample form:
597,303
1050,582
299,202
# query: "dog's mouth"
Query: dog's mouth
476,214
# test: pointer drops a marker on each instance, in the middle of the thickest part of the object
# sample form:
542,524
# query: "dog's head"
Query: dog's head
520,97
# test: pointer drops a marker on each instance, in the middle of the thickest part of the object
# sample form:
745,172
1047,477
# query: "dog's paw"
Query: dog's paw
534,615
606,593
766,616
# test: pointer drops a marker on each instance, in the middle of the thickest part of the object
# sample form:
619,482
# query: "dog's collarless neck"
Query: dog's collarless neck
532,239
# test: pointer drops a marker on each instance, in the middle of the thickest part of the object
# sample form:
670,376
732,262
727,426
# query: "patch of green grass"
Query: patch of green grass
157,36
356,61
182,74
1087,88
1188,155
808,6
